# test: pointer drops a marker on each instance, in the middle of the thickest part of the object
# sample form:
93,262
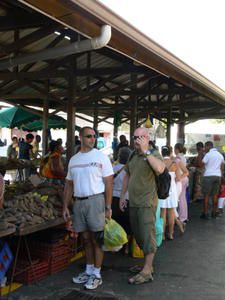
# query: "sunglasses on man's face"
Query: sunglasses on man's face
135,137
89,136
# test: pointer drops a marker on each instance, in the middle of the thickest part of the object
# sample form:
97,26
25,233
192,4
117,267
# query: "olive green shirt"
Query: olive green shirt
141,186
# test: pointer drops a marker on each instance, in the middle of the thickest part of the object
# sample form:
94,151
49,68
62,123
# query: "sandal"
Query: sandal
138,269
140,278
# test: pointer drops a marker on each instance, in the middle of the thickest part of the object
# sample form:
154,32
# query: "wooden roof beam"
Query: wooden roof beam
29,39
22,21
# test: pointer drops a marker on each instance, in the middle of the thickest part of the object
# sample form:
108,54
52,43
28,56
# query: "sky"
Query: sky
192,30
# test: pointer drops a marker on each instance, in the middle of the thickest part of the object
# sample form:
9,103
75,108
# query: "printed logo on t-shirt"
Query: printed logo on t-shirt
91,164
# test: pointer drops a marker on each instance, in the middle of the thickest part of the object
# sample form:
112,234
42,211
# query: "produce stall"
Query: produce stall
33,215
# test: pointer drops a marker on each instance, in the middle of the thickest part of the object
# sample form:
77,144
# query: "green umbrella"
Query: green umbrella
54,122
15,117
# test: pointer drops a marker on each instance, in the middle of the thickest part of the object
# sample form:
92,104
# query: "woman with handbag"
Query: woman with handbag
171,202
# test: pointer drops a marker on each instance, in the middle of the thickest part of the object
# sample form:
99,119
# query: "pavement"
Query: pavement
191,266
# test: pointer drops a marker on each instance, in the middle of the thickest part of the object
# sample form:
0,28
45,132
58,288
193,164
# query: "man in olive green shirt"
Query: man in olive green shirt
143,199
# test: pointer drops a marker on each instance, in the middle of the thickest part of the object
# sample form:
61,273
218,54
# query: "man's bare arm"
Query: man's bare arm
157,165
67,198
108,190
108,195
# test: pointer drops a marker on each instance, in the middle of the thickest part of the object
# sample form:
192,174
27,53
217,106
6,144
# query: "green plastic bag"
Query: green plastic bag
114,234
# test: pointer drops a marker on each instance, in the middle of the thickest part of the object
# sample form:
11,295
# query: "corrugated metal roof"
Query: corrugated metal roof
124,72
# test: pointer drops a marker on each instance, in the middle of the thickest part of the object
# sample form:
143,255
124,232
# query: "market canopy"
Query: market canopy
15,117
54,122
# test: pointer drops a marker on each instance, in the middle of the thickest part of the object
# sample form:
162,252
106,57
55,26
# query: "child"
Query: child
221,197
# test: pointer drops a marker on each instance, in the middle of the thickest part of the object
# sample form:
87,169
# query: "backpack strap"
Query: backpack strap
118,172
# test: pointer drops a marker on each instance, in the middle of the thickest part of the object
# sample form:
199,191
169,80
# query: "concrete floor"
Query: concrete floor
190,267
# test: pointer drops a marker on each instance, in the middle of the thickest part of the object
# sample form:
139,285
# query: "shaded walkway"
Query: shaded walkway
190,267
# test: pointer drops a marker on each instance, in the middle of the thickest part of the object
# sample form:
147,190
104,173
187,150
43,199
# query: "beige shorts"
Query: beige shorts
89,214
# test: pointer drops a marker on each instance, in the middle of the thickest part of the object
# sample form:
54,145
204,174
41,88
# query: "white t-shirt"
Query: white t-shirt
87,171
213,160
118,181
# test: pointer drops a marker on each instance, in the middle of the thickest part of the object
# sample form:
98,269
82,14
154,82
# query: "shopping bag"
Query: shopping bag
114,234
135,250
159,227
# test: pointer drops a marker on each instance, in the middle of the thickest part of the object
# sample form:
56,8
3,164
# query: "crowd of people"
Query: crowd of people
126,190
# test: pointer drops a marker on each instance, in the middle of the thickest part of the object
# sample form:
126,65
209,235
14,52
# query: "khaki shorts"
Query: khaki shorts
142,221
211,185
89,214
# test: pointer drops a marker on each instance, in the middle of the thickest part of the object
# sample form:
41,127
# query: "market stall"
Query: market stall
40,243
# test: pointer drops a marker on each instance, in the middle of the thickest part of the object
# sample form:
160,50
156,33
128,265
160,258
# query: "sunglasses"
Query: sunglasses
89,136
135,137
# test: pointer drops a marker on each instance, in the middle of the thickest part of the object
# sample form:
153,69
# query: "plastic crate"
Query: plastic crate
38,271
6,258
47,251
50,236
58,265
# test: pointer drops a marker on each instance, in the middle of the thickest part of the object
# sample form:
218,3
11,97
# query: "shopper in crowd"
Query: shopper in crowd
121,216
52,167
199,170
89,180
25,147
77,144
12,151
36,146
123,143
169,204
26,153
214,168
139,180
180,151
60,142
77,140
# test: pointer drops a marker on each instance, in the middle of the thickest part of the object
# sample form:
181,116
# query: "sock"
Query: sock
89,269
96,272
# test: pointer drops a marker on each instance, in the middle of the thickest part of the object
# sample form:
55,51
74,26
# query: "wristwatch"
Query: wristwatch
108,206
147,153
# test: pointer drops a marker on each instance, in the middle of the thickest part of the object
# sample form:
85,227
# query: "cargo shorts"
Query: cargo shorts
142,221
211,185
89,214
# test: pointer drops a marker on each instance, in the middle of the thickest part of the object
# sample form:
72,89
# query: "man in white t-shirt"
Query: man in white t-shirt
89,180
214,164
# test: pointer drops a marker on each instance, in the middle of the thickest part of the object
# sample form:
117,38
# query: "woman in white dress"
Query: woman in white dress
167,205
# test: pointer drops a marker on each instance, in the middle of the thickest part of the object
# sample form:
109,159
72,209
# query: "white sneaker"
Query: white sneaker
81,278
93,282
